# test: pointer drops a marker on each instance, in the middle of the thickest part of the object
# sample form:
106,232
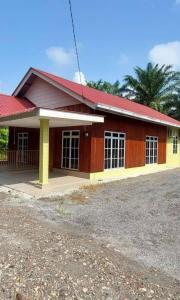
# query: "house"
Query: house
59,124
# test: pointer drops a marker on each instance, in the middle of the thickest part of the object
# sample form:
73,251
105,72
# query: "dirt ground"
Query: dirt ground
112,241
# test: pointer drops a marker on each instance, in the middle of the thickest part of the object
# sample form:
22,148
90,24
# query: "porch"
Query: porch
25,181
45,121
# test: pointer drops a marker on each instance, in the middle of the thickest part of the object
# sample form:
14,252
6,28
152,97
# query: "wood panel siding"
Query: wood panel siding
136,132
43,94
78,108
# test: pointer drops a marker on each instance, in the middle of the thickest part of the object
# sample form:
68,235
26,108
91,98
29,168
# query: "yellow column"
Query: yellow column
44,152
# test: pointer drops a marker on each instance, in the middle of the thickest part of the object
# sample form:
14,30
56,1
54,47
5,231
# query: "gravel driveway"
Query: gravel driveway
139,216
119,240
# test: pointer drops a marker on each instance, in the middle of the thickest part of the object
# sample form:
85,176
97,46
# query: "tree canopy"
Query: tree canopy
154,86
107,87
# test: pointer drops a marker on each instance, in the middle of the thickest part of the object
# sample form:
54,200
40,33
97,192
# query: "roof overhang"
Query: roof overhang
133,115
31,118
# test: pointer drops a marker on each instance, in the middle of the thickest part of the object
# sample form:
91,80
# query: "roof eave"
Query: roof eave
129,114
51,114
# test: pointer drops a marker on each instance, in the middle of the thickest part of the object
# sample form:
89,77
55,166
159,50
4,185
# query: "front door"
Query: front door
70,149
22,146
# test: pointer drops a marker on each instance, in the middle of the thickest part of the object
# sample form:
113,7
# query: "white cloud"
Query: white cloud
168,54
79,78
123,59
59,56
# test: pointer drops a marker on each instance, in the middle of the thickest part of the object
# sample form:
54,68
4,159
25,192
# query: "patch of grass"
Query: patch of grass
90,188
61,210
78,197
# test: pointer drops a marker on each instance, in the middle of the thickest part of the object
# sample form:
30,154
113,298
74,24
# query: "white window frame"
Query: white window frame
149,156
111,158
21,135
175,145
70,137
22,157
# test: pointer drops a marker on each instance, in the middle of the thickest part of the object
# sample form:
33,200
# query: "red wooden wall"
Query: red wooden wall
136,132
92,147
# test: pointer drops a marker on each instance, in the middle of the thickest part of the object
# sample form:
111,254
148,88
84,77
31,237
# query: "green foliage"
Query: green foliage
156,86
4,133
172,107
105,86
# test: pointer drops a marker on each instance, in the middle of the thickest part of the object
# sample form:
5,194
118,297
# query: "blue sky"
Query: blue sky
113,37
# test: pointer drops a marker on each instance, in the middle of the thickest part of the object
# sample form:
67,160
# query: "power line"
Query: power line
75,44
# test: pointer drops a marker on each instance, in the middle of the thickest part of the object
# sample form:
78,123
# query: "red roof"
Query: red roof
99,97
11,104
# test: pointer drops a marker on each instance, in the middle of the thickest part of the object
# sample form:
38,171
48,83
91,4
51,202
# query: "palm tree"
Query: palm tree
154,86
105,86
172,107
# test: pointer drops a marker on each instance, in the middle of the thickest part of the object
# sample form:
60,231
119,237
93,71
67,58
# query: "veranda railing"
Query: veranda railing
26,159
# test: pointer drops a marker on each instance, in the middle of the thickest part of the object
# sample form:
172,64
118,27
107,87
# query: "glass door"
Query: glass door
70,149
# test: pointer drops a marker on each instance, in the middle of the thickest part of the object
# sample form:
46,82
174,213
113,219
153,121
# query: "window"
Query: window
151,149
70,149
175,144
114,150
22,141
22,146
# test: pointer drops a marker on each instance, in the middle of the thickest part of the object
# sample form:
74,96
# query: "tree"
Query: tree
105,86
172,107
3,138
154,86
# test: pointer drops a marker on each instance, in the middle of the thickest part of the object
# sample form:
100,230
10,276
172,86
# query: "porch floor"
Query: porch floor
26,182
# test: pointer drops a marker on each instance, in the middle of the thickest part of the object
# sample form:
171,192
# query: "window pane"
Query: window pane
115,134
66,133
75,133
107,134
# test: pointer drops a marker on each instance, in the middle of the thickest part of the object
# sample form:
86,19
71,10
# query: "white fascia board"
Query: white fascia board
53,83
124,112
42,113
54,114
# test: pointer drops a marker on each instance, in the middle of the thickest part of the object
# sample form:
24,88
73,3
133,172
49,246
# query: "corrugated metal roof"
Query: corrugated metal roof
99,97
10,105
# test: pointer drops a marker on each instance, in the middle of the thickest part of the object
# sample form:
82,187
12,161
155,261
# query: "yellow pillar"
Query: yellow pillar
44,152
